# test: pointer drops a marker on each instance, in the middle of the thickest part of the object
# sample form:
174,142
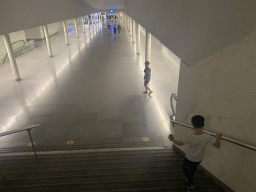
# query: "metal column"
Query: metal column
47,39
11,56
134,32
65,32
76,28
138,38
83,24
148,47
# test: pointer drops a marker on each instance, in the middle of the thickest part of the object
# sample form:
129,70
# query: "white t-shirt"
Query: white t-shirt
197,145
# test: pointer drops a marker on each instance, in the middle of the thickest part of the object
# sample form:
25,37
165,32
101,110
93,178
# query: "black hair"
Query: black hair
197,121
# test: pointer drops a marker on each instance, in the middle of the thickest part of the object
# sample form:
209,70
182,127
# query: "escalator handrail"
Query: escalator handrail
12,44
213,134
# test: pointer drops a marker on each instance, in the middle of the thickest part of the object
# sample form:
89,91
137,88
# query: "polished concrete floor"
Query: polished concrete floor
89,92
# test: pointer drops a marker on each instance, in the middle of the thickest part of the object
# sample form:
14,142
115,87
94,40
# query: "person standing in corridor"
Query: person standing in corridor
197,143
109,32
147,77
119,28
115,29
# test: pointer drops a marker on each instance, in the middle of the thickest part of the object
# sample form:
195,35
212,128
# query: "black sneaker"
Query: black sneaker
145,92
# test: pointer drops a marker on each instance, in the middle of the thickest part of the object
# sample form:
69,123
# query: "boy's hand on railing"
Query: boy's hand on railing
218,135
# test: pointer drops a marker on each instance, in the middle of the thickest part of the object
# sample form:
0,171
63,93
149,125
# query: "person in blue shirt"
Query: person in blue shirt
197,143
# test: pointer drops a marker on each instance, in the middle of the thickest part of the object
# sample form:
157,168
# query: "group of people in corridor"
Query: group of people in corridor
118,28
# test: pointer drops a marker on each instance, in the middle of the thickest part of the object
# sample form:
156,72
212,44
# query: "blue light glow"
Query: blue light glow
111,10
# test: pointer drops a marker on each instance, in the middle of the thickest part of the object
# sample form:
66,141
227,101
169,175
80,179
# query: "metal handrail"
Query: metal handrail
21,48
28,129
224,138
175,97
213,134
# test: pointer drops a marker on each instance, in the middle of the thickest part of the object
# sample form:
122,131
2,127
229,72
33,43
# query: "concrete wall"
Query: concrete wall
18,15
37,33
222,89
176,60
216,39
195,30
33,33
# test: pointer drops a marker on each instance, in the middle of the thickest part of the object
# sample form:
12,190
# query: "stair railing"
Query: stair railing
28,129
173,121
173,96
20,51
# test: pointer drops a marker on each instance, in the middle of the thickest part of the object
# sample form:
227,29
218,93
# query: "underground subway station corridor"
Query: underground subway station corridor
74,114
90,92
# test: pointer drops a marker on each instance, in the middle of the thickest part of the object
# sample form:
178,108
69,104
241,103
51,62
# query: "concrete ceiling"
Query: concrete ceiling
106,4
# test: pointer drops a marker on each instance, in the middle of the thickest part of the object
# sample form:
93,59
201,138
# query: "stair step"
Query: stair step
77,185
76,147
68,157
99,178
119,171
85,161
94,154
80,171
92,166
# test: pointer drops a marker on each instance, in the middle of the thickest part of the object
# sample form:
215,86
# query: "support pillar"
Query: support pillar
148,47
138,38
131,25
83,24
12,59
65,32
76,28
47,39
88,18
128,21
134,32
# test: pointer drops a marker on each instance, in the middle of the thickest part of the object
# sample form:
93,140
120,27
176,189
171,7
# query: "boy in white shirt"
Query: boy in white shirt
196,149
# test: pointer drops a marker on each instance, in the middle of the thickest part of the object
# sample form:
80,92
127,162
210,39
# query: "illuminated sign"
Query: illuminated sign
111,10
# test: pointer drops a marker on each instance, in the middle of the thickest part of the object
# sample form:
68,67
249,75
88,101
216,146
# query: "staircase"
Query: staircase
143,169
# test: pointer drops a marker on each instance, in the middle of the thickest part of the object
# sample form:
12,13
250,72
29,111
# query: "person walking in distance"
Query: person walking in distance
197,143
119,28
147,77
109,29
115,29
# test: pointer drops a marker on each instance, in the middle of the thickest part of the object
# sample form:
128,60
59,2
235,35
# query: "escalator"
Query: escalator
19,48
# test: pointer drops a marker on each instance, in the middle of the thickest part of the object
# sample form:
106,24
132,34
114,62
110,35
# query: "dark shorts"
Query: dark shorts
146,83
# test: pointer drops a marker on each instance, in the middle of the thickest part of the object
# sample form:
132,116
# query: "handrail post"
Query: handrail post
28,130
3,171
